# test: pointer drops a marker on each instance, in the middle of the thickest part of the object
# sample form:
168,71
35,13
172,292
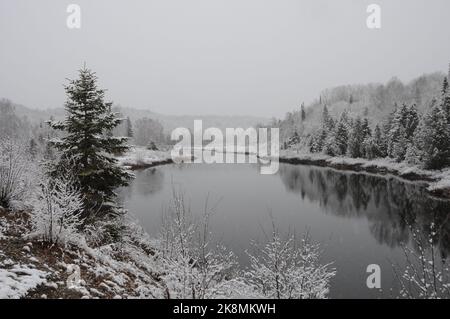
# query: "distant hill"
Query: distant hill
169,122
374,101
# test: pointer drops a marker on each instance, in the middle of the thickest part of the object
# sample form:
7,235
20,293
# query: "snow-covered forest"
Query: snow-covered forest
408,124
63,233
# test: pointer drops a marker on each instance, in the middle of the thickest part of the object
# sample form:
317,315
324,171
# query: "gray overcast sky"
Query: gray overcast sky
254,57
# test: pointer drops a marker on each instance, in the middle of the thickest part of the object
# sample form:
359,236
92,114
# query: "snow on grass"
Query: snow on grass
18,280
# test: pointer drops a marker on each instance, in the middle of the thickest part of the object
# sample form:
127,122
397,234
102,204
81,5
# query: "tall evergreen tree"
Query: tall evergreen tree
433,140
303,113
341,135
355,141
365,128
380,142
89,147
129,128
446,98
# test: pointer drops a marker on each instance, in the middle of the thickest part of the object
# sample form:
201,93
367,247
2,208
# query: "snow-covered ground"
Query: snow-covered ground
127,269
141,156
16,281
438,180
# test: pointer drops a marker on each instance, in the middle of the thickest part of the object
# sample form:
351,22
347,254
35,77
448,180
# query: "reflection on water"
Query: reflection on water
359,219
390,205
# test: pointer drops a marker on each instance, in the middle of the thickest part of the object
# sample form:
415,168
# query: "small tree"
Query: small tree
380,142
15,169
435,136
303,113
356,138
57,207
342,135
129,128
426,275
90,145
282,269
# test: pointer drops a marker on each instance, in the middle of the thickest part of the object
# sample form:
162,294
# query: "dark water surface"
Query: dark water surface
358,219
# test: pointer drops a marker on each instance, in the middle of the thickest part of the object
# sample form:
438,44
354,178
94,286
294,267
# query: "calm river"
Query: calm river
358,219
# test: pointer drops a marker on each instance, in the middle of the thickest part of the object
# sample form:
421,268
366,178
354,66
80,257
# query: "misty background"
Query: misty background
251,57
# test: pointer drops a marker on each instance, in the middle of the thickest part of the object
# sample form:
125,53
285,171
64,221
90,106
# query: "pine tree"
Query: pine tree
395,127
400,145
355,140
435,139
88,146
129,128
302,110
330,145
446,98
341,135
380,142
293,140
317,141
365,128
33,148
411,121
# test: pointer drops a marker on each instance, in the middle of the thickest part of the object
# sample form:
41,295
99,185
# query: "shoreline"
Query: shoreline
142,166
368,167
437,183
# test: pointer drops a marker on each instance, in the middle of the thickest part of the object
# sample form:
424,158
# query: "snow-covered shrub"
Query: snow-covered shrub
57,206
104,232
426,274
282,269
15,172
193,269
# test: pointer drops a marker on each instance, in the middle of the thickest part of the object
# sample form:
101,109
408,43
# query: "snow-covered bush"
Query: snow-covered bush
15,172
426,274
192,268
282,269
57,206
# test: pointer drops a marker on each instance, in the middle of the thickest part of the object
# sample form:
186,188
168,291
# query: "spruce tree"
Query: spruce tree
355,140
435,136
88,146
129,132
303,113
341,136
380,142
446,98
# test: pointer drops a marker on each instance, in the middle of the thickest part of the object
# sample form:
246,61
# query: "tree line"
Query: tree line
405,135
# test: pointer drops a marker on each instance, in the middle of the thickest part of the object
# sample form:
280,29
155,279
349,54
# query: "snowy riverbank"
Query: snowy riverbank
438,182
138,157
31,269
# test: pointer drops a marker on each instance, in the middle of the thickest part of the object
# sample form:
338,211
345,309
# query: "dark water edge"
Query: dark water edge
358,167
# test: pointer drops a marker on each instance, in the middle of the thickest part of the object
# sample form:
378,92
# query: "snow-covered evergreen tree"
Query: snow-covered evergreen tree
356,138
303,113
341,135
380,141
293,140
401,131
129,128
433,139
89,145
446,98
330,145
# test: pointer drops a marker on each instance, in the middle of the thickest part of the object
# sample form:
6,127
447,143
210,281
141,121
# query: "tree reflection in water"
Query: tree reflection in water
391,206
